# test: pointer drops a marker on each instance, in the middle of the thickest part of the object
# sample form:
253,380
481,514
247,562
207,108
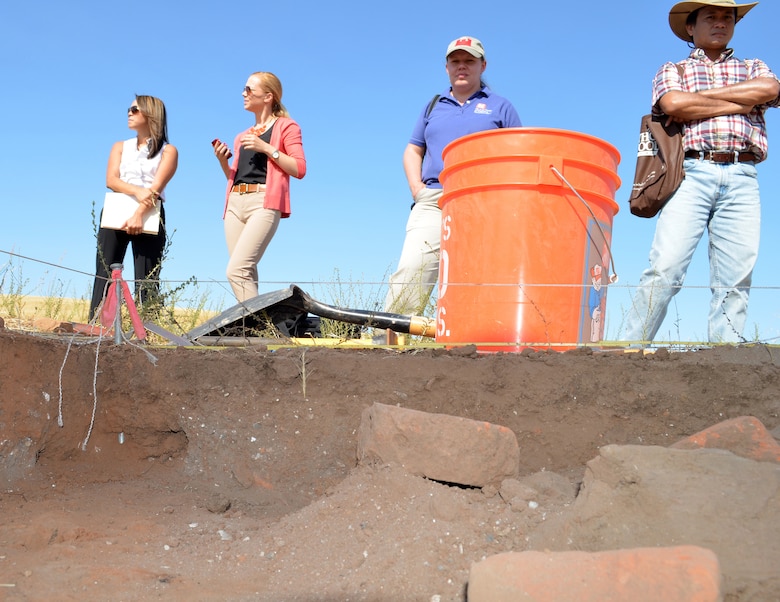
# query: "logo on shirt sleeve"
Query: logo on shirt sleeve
481,109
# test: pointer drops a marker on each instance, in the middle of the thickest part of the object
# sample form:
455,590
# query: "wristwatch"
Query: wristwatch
275,154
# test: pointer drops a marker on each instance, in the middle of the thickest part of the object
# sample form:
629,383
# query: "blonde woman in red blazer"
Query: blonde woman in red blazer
258,187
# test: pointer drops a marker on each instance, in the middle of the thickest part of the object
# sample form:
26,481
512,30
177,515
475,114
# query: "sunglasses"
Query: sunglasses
248,91
133,110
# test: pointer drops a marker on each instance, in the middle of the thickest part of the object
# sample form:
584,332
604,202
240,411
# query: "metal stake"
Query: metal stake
118,316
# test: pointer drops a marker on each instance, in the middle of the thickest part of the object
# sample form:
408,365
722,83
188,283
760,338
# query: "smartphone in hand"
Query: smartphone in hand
214,144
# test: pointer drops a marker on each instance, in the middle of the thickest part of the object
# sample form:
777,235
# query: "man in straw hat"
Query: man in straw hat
721,100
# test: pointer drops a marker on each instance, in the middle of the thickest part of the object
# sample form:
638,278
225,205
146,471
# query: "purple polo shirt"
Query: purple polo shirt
449,121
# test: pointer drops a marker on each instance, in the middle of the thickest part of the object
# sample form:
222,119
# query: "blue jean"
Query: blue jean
724,200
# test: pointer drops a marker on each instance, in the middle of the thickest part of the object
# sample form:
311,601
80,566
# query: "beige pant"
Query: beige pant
418,269
249,228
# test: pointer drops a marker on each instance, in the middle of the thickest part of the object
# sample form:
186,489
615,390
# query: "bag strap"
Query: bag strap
432,104
680,69
428,111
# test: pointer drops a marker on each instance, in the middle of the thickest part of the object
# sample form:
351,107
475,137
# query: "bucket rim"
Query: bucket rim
468,163
535,130
453,195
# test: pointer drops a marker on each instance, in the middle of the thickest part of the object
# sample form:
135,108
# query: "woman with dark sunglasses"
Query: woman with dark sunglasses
258,187
140,167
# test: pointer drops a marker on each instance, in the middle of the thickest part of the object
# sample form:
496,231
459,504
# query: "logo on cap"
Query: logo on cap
468,44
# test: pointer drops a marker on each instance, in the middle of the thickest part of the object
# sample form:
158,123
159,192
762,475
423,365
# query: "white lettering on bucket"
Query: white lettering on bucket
446,229
444,272
441,327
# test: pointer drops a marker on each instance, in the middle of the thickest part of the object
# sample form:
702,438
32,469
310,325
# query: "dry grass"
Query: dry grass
31,313
63,309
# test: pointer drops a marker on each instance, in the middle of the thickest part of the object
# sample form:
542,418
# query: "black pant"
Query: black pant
147,260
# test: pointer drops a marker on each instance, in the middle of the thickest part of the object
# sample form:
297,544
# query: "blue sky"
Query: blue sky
355,76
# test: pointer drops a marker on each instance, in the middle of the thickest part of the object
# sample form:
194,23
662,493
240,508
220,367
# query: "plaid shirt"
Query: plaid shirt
728,132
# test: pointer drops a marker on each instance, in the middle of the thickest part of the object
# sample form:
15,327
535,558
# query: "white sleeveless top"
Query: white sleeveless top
135,166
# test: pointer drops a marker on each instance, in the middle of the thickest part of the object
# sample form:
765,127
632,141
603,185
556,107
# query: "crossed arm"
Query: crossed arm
729,100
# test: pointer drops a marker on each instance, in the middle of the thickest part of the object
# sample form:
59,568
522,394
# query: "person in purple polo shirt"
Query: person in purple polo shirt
721,100
467,106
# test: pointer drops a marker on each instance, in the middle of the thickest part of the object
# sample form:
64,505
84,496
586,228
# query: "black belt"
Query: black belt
721,156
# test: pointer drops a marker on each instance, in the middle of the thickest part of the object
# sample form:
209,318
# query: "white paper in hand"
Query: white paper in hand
119,207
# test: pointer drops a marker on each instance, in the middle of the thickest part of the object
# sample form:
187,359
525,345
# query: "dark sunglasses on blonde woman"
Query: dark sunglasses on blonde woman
133,110
249,92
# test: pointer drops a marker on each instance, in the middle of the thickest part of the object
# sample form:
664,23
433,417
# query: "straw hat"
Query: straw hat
681,10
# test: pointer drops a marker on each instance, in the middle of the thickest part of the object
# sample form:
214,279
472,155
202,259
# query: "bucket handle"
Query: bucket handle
614,277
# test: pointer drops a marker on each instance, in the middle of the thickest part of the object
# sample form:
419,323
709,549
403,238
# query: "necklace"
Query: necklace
260,129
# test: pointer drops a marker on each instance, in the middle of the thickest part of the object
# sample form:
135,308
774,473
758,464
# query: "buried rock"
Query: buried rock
675,574
437,446
654,496
745,436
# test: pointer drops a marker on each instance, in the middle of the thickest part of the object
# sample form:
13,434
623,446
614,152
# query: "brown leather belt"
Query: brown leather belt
245,188
721,157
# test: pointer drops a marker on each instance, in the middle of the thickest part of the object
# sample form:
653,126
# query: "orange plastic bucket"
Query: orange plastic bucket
526,236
